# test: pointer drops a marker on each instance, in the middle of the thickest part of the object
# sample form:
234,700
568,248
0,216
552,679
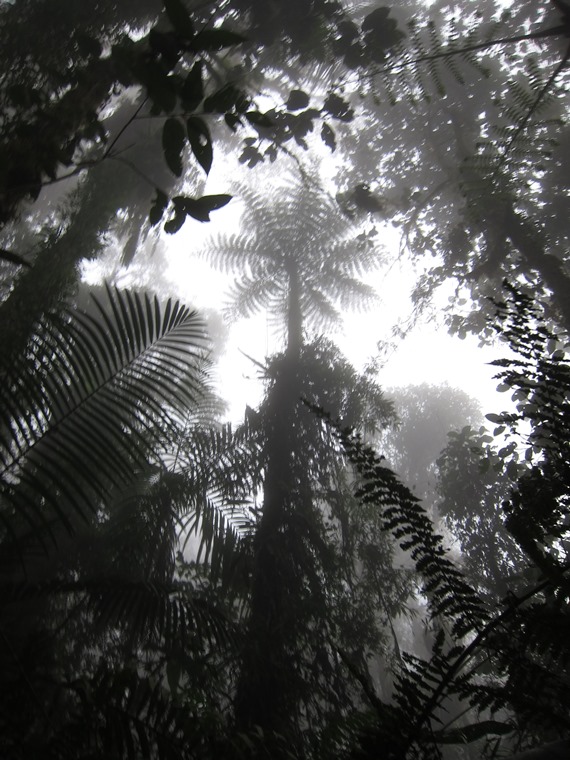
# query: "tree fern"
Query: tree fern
298,232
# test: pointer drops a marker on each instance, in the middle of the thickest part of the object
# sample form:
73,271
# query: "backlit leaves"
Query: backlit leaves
179,18
198,208
297,100
200,142
173,139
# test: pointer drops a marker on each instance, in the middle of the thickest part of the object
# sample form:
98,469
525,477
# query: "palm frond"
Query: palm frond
155,612
82,411
146,611
222,469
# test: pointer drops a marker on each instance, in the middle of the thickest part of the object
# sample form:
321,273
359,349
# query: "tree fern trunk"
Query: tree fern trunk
294,316
268,689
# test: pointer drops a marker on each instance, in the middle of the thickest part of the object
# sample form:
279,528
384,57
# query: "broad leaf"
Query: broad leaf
192,92
232,121
200,142
179,18
200,208
167,46
380,33
327,136
338,108
228,98
158,208
173,139
177,221
297,100
259,119
13,258
159,86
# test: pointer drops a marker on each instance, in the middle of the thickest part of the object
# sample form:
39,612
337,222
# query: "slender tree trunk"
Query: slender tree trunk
294,317
268,689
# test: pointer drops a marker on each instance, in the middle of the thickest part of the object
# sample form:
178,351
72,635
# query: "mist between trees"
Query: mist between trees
344,571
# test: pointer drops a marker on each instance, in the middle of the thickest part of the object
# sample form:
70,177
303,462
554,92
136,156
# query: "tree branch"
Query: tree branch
551,32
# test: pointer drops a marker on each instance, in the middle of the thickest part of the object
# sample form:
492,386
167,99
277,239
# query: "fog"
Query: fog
284,309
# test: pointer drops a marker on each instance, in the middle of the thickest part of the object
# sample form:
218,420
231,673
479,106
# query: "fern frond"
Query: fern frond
449,593
520,150
532,105
250,294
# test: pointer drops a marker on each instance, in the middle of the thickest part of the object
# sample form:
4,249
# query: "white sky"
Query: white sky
427,354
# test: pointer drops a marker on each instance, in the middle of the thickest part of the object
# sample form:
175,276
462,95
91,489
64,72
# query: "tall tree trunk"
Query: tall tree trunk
54,275
294,316
268,689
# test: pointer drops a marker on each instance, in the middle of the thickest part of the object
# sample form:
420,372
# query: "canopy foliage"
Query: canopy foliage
175,586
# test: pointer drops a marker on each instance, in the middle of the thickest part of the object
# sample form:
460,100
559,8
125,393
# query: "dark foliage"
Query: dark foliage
174,588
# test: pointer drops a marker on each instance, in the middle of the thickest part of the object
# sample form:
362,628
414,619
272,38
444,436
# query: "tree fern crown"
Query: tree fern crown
300,238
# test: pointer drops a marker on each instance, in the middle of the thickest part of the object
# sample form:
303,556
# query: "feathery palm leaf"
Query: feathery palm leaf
82,411
147,611
220,470
201,505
